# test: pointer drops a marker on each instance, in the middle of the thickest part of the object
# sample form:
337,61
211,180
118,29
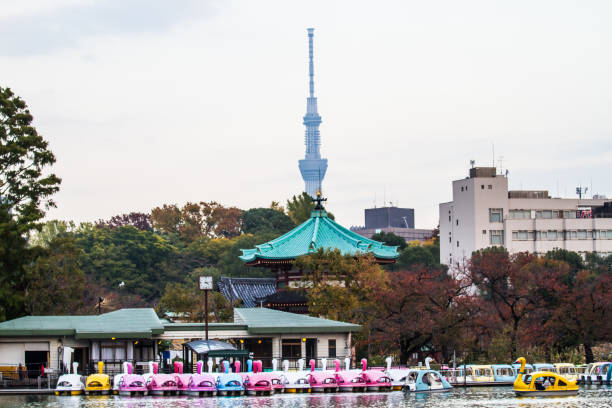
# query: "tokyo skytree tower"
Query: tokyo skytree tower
312,167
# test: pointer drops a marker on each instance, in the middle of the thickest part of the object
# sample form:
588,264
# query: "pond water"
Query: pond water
498,397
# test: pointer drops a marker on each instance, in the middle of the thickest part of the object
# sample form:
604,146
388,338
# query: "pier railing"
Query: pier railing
18,376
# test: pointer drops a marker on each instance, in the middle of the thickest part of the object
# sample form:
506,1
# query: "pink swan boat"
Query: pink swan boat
322,381
182,380
161,384
258,383
375,380
349,380
132,384
201,385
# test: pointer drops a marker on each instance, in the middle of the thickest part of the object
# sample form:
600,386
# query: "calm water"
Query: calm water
498,397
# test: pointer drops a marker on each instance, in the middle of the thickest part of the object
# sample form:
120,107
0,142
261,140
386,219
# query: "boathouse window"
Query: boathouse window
496,237
331,347
496,214
115,351
292,348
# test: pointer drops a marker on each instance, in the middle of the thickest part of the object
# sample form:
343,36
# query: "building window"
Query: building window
574,235
484,232
457,222
609,234
496,214
457,243
114,351
531,235
450,239
331,347
449,218
519,214
461,188
582,234
482,186
292,348
490,187
552,235
496,237
546,214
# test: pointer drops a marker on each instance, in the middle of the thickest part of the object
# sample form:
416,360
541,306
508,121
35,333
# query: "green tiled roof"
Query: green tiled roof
318,231
261,320
124,323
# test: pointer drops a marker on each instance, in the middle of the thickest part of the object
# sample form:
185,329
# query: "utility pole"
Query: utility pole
206,284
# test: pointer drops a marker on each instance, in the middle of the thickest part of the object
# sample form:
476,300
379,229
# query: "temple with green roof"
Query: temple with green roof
319,231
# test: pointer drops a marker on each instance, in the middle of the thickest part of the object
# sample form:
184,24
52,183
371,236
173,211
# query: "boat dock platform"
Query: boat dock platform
26,391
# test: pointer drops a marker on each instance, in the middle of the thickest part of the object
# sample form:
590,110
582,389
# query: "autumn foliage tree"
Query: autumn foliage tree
422,307
342,287
198,220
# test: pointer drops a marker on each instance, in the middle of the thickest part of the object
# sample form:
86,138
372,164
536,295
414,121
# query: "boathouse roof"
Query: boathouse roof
144,324
319,231
261,320
123,323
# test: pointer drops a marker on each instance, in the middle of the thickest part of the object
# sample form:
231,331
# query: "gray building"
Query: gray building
386,217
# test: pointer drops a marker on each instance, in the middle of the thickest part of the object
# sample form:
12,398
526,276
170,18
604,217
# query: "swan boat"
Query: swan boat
98,383
297,381
426,381
201,384
70,384
534,384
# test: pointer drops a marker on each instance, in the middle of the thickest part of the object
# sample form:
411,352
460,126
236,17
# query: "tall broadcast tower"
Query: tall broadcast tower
313,167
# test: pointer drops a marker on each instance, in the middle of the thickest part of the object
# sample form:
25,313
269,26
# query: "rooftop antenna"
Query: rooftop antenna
472,163
384,197
493,148
580,191
501,159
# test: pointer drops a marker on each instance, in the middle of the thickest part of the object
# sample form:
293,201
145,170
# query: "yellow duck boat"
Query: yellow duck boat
542,383
98,383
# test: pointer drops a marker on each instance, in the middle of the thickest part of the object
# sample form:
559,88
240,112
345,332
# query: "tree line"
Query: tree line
493,308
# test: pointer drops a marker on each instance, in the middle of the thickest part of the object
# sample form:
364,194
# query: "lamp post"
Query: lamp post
206,284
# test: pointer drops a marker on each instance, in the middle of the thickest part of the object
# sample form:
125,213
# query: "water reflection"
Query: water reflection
498,397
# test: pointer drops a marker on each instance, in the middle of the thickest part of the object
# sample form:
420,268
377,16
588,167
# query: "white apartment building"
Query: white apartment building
484,213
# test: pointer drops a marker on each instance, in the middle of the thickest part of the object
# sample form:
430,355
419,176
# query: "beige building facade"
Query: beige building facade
485,213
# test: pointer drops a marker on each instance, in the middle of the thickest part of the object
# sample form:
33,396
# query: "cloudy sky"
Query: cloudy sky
149,102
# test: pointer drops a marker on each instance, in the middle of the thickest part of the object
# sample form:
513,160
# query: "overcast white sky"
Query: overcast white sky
149,102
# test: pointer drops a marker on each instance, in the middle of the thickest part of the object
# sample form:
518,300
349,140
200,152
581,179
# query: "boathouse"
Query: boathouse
139,336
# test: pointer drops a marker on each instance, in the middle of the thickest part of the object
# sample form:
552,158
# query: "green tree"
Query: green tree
266,220
14,255
24,155
389,238
26,187
299,208
126,257
49,231
418,255
55,281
